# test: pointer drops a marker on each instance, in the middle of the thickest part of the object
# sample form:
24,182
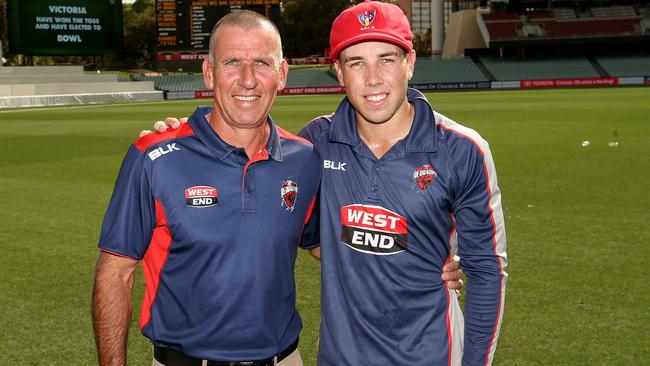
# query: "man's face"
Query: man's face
245,75
375,76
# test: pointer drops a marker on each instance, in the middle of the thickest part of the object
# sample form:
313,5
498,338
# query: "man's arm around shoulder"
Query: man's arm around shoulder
111,307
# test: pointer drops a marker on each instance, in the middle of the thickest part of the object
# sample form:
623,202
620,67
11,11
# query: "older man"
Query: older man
215,210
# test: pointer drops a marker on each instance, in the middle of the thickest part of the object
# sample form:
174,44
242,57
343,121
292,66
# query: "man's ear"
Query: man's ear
410,59
208,78
339,72
284,71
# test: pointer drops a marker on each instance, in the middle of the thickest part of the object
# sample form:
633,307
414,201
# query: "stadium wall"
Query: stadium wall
468,86
76,99
32,86
463,32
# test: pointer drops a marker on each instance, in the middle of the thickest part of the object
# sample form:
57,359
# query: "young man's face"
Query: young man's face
245,75
375,76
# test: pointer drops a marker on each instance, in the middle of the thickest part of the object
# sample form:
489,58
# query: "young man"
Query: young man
215,210
403,189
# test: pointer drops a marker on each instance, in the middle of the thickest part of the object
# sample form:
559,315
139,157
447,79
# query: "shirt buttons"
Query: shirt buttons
374,188
377,169
249,189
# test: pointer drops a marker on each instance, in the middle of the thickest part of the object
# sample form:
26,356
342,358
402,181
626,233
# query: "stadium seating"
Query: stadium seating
56,79
558,68
175,83
589,27
59,85
501,17
625,66
562,23
192,82
542,15
501,26
311,77
614,12
564,14
53,80
446,71
443,71
501,31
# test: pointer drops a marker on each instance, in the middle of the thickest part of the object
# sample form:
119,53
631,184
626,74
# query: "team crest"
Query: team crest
366,17
289,194
423,176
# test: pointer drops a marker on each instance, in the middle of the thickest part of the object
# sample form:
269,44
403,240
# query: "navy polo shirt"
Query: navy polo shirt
389,225
218,235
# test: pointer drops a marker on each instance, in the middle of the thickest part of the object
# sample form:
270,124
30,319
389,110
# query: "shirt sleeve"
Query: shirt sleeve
314,130
130,218
482,247
311,232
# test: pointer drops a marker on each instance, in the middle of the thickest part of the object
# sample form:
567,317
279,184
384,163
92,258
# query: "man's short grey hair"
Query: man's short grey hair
247,20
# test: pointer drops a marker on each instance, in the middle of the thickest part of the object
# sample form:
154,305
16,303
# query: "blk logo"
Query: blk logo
334,165
160,151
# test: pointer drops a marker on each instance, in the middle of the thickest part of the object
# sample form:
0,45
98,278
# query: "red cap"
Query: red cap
370,21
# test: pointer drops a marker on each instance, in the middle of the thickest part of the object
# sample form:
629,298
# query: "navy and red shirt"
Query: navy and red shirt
217,234
389,225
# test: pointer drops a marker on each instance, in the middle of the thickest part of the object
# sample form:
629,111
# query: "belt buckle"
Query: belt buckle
256,363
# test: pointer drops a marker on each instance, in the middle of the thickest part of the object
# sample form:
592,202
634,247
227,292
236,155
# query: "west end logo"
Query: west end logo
366,17
201,196
423,176
373,229
289,194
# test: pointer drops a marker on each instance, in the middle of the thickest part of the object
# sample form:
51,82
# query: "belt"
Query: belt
170,357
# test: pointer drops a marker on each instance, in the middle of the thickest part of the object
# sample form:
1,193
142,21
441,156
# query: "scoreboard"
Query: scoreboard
65,27
185,25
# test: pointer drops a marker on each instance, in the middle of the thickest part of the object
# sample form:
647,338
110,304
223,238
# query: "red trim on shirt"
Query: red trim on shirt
494,237
448,320
261,155
118,254
146,141
494,245
310,209
153,262
453,230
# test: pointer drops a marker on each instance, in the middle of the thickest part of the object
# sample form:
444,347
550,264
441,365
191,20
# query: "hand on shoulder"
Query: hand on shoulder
162,126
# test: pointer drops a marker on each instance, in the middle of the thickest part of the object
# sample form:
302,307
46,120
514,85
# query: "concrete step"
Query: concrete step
42,70
74,88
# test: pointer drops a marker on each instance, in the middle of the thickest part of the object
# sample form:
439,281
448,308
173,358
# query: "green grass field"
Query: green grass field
576,218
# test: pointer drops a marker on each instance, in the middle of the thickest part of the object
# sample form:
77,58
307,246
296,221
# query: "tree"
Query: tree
422,43
139,33
306,25
4,35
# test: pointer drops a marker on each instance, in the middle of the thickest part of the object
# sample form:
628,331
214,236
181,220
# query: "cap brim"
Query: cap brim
369,37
